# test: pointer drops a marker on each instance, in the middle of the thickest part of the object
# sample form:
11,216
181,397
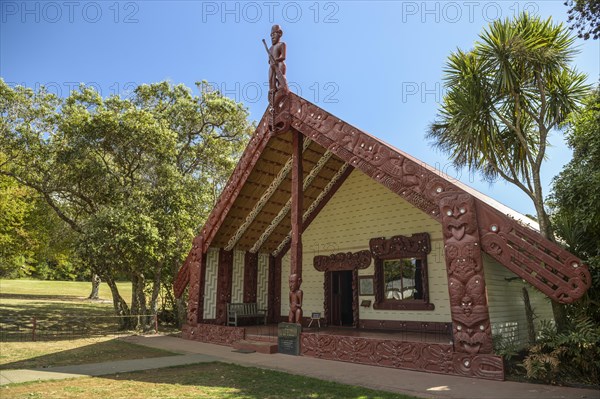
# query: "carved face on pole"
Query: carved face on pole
294,282
276,34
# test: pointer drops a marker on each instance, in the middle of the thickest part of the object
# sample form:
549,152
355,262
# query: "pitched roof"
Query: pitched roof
251,212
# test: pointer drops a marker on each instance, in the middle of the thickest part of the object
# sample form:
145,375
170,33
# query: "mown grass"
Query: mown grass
70,329
60,309
207,380
21,355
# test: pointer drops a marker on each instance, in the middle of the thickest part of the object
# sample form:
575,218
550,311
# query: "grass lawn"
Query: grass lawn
207,380
66,290
20,355
59,307
62,312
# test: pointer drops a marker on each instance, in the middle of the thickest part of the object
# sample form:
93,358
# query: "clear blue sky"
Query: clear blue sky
377,64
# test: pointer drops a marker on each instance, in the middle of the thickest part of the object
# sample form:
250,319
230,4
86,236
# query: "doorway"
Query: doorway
340,297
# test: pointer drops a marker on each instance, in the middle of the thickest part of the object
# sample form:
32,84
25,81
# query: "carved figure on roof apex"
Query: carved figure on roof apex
278,88
277,67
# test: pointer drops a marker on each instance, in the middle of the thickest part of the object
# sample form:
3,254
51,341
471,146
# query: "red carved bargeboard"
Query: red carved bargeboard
213,334
544,264
418,356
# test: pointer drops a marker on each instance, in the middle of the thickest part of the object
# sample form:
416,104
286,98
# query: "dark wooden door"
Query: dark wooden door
340,299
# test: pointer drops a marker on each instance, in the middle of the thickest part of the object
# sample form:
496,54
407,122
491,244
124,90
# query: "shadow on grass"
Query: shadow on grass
45,297
98,352
220,380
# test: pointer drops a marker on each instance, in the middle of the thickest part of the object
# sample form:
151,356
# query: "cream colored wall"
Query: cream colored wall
360,210
505,301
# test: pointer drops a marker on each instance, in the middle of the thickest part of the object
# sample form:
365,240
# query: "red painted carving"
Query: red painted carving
342,261
555,271
466,282
419,356
274,307
196,269
423,187
224,283
213,334
327,298
355,313
417,245
296,299
250,276
401,246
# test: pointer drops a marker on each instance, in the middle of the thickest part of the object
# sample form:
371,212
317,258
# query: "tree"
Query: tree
504,98
583,13
576,195
134,178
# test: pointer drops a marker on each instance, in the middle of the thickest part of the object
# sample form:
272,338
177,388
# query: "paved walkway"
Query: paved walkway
419,384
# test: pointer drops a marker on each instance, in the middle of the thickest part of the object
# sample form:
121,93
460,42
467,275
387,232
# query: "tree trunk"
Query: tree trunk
155,289
95,287
121,308
529,317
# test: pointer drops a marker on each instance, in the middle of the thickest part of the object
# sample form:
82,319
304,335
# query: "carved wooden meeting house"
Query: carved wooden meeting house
414,270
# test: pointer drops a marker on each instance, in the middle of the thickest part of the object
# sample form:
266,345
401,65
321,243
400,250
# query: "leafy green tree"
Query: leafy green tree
504,98
134,178
576,196
584,16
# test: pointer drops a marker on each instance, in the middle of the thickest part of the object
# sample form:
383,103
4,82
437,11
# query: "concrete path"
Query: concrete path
98,369
419,384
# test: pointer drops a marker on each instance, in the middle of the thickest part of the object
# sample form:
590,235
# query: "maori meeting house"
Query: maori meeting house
379,257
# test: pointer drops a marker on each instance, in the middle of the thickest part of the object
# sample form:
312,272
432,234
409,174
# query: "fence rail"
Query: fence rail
24,328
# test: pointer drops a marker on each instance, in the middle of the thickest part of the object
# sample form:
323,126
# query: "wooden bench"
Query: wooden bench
237,311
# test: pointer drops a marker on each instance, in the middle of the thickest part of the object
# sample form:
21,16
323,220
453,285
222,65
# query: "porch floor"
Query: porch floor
269,333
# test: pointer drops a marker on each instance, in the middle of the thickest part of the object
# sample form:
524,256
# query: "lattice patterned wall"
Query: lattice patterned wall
505,299
237,288
210,290
262,289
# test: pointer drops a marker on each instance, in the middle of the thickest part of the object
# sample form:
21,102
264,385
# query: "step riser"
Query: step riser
260,347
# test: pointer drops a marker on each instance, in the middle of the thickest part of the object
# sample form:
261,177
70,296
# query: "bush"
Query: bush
569,356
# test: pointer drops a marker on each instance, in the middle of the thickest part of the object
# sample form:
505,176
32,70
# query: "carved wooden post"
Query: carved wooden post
196,269
466,282
296,214
250,276
224,282
274,307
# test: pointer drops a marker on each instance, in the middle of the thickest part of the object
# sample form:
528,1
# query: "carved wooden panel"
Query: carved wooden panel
401,246
274,306
549,267
224,283
419,356
250,276
417,245
466,282
213,334
195,269
342,261
355,314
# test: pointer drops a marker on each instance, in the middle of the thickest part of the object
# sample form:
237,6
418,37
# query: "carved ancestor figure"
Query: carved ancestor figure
296,296
277,67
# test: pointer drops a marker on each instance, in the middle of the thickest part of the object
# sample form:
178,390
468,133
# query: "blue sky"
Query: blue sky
378,64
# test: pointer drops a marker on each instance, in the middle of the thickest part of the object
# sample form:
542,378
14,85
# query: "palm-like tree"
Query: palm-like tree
504,97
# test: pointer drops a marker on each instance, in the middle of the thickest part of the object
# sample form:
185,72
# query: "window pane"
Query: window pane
402,279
